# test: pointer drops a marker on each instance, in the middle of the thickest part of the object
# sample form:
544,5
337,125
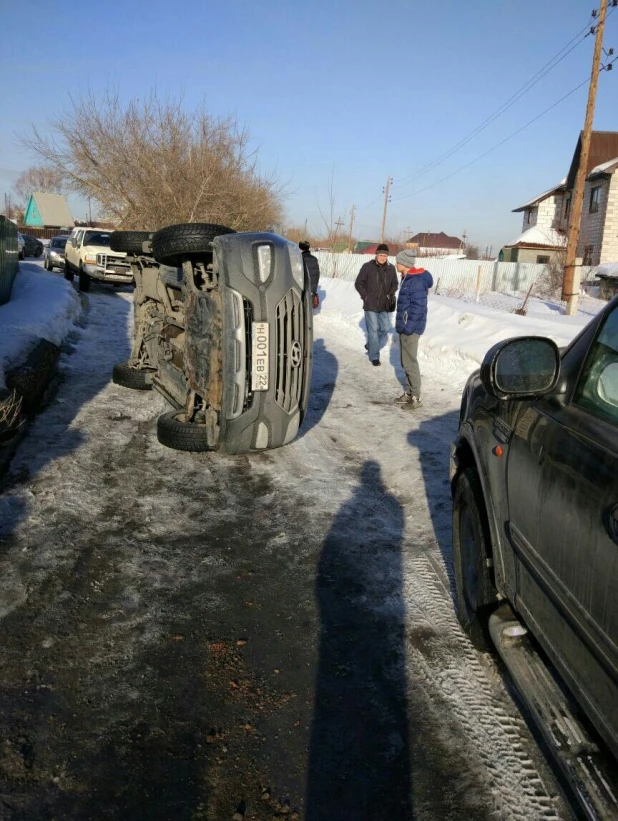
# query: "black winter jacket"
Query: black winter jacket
312,267
376,284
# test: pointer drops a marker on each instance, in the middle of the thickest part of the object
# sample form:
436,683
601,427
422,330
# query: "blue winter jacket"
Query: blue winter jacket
412,302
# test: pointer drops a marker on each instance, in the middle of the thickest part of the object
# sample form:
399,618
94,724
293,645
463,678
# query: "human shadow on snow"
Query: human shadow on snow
359,761
323,380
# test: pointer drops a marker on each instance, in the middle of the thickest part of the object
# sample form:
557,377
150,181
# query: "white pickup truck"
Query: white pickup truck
87,254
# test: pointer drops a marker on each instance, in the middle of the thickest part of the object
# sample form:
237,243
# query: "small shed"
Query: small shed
48,211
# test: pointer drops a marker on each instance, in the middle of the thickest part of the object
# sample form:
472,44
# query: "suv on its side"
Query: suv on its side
87,254
534,474
223,330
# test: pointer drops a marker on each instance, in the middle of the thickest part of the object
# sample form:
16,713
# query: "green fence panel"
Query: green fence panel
9,258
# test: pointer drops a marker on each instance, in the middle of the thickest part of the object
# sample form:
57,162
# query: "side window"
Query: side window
597,390
78,238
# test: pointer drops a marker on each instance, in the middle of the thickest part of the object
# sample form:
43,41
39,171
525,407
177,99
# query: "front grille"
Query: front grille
289,350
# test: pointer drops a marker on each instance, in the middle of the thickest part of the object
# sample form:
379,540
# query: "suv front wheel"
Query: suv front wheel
471,550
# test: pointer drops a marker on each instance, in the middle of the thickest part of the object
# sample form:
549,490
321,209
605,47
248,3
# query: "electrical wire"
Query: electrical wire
493,148
536,78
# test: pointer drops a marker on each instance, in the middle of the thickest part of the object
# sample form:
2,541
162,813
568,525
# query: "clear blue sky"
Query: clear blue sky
363,88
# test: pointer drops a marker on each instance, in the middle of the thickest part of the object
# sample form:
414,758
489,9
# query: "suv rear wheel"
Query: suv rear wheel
471,549
138,380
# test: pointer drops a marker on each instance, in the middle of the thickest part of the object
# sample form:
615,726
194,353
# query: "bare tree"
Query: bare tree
149,163
473,251
37,178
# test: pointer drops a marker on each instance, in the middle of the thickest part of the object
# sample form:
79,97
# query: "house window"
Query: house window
595,199
588,252
542,260
567,206
528,216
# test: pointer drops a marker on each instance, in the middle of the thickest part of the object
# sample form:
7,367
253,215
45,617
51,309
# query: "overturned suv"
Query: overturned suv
223,330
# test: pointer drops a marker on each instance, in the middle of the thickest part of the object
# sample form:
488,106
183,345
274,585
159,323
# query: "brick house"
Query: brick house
436,245
549,213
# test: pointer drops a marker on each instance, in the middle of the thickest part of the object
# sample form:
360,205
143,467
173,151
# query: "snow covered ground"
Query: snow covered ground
340,544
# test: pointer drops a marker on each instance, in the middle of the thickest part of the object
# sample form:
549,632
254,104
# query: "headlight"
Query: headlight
91,258
265,258
298,270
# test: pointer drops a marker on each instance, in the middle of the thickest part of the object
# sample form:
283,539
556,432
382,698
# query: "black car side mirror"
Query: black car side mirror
521,368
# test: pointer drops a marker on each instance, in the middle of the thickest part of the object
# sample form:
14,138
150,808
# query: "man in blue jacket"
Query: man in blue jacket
411,322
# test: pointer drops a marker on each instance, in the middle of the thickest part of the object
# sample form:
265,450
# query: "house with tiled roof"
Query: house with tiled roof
46,210
546,218
435,245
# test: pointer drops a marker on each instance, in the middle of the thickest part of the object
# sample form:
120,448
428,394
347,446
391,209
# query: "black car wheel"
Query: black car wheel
84,281
38,251
129,241
137,380
174,432
471,548
173,244
22,255
68,274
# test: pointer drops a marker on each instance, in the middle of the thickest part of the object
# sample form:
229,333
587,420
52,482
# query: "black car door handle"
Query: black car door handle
611,523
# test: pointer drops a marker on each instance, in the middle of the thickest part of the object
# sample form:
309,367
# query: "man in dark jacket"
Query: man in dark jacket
312,267
411,321
377,284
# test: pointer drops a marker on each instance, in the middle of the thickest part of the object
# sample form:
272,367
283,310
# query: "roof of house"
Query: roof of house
53,209
605,168
440,240
603,146
560,187
537,237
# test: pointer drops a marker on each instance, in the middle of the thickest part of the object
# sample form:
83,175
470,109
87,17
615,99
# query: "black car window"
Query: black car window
97,238
597,389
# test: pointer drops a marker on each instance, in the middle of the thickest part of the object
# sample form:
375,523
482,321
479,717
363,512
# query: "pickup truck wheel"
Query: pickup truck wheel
129,241
471,544
68,274
84,281
173,244
137,380
174,432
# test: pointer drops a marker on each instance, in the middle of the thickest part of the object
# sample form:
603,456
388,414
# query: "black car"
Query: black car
534,476
33,247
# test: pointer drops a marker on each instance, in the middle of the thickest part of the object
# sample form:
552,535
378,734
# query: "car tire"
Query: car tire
38,252
174,244
68,273
471,549
84,281
138,380
46,265
21,255
179,435
129,242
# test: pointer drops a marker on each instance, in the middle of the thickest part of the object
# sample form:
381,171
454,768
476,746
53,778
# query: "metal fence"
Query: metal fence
9,257
452,275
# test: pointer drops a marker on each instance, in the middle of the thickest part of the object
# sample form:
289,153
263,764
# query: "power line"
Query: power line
493,148
536,78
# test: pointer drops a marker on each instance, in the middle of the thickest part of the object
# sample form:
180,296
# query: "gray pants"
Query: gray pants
408,346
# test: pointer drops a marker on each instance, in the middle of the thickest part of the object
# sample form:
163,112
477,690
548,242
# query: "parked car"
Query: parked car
87,254
534,473
54,253
33,247
223,330
21,245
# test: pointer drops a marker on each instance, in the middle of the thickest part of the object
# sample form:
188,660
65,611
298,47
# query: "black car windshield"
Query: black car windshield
58,242
97,238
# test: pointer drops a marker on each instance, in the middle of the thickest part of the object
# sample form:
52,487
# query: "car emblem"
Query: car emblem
296,354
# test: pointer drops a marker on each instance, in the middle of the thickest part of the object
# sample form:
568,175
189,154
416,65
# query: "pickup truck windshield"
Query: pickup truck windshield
96,238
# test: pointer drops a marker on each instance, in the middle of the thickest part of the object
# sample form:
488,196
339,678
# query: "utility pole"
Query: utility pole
386,201
338,226
572,271
464,237
351,226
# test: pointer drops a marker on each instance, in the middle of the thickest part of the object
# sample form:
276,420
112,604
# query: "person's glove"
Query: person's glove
316,301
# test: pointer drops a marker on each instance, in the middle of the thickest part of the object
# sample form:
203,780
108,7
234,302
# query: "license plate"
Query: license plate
259,358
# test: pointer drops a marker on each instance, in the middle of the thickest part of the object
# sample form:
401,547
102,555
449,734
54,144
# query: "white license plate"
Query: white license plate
259,358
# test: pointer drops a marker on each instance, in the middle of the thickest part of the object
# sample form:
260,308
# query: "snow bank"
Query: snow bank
42,306
456,328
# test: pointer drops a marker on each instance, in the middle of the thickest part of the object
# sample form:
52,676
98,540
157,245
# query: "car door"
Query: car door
564,526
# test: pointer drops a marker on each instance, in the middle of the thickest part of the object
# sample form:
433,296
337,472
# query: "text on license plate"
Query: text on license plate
259,356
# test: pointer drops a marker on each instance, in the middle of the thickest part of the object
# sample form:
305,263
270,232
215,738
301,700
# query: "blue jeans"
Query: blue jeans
378,325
